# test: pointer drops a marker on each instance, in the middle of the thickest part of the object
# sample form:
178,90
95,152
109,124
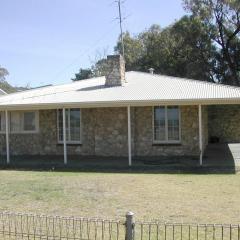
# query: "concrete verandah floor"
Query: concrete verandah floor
222,157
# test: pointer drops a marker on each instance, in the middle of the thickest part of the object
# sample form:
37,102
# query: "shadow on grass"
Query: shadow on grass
114,165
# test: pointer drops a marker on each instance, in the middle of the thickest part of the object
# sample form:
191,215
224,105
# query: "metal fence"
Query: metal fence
26,226
181,231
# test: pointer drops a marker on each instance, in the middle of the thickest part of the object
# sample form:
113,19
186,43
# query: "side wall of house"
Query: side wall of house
34,143
224,123
104,133
144,145
45,142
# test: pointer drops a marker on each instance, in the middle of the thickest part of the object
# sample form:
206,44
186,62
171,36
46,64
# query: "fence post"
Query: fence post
129,226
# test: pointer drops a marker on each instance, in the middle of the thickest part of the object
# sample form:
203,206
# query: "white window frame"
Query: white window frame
36,122
166,126
3,119
68,122
22,131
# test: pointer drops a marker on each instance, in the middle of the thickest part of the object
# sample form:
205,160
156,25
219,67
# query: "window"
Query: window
73,125
24,122
20,122
15,122
29,121
2,121
166,124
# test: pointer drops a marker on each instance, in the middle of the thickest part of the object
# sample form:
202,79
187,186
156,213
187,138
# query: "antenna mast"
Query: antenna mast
120,23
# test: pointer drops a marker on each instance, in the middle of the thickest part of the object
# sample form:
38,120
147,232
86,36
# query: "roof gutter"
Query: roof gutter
41,106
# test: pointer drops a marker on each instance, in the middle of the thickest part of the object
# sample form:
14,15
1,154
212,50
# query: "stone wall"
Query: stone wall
104,133
115,71
111,132
224,122
45,142
143,138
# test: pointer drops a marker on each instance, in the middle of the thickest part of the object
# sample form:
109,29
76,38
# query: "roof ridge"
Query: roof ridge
4,92
190,80
47,87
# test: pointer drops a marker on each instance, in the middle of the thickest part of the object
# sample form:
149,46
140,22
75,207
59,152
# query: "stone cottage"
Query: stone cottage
127,114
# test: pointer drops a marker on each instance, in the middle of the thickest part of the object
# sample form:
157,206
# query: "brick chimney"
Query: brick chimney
116,71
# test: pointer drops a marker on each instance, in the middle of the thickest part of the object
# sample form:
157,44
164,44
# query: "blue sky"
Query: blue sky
47,41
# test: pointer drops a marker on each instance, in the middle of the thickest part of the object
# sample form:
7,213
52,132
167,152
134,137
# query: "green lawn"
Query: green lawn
170,197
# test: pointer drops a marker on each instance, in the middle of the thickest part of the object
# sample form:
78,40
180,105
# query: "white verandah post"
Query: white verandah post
129,137
7,137
64,136
200,135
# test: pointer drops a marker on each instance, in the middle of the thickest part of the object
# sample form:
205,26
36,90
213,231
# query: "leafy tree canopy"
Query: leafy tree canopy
183,49
222,20
3,73
99,68
83,74
203,45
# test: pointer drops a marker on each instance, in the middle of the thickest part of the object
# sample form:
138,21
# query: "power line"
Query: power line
87,51
121,19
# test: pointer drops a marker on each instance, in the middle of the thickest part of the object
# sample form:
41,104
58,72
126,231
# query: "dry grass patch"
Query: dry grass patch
169,197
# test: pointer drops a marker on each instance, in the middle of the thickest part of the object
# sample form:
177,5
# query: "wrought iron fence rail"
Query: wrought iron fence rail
13,235
156,222
182,231
24,226
36,227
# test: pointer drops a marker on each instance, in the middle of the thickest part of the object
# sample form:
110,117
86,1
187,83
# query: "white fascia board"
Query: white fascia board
120,104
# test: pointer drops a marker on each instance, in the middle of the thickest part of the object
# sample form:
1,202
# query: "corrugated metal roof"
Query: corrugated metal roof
140,89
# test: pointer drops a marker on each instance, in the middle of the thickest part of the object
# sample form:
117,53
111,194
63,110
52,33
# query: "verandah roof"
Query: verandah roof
140,89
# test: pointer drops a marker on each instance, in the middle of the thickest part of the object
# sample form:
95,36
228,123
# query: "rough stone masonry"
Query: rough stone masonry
116,71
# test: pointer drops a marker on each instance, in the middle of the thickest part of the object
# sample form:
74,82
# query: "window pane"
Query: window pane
67,121
15,121
159,124
72,125
75,124
2,121
173,123
60,125
29,121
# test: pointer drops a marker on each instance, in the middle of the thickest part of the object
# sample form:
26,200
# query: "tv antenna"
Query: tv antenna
119,2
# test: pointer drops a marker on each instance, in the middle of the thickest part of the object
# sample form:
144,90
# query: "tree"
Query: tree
83,74
4,85
183,49
100,68
204,45
187,50
222,18
133,51
3,73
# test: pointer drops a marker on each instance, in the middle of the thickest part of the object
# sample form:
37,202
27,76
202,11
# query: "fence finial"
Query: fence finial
129,226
